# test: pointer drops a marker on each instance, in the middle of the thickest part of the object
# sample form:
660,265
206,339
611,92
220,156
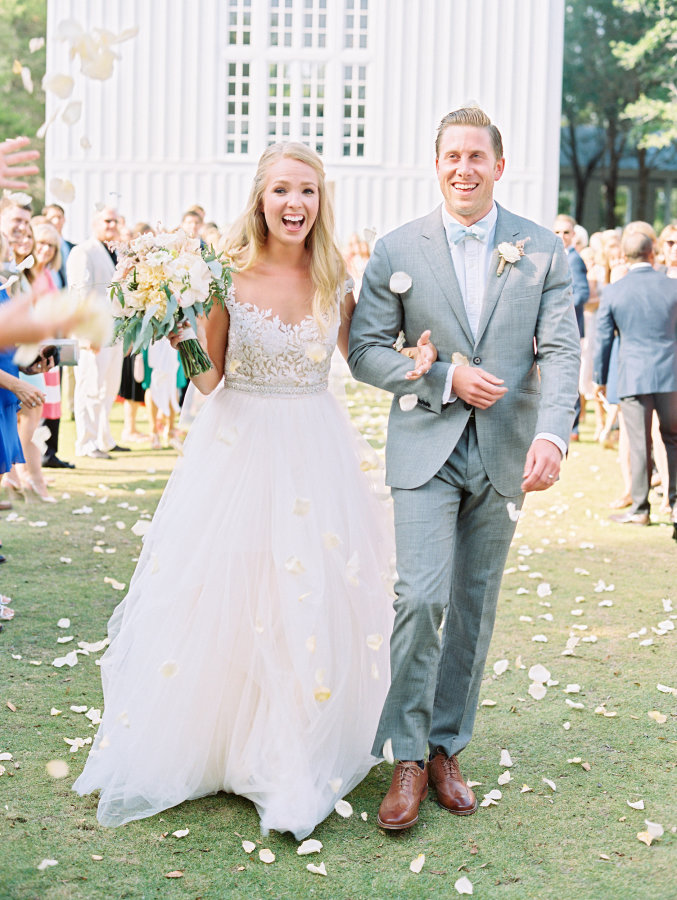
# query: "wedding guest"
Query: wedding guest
91,266
56,216
642,308
490,421
192,222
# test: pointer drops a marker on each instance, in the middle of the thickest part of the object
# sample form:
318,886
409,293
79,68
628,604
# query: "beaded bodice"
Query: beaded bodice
268,356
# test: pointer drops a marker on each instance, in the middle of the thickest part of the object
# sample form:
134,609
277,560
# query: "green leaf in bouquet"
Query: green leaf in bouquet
145,333
189,314
172,305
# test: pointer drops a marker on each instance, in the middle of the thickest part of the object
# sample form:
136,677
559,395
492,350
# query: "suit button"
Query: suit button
477,360
468,405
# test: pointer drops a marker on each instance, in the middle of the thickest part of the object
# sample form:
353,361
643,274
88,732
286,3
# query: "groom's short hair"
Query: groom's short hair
470,115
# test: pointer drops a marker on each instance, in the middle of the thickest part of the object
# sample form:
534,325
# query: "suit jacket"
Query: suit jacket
581,288
529,306
90,266
642,308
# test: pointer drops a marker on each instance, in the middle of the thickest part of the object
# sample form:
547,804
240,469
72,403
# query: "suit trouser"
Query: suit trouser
452,539
97,382
638,414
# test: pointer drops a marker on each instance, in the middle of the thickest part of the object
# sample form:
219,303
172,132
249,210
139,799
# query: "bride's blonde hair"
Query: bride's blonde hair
247,237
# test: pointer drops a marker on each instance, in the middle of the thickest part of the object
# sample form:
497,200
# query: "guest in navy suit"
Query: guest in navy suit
564,227
642,308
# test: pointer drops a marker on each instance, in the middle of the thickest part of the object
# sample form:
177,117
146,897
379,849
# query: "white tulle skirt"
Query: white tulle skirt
251,652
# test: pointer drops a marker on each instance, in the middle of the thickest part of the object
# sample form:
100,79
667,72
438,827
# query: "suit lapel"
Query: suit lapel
507,229
438,257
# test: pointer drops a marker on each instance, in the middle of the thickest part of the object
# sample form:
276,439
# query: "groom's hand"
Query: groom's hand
541,469
477,387
424,355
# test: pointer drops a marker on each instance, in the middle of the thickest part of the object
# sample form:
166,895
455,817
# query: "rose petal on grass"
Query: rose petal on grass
645,837
551,784
506,760
537,690
317,870
309,846
343,808
417,864
54,711
540,638
46,863
513,512
463,885
539,673
657,716
63,623
504,778
266,856
248,846
526,789
364,816
177,873
96,857
5,757
488,703
638,804
182,832
572,689
501,666
654,829
573,704
140,527
116,585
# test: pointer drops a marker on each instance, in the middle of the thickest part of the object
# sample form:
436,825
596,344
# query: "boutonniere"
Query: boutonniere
509,253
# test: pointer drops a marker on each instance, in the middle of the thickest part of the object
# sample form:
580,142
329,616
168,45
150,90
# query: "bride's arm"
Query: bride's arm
347,310
212,333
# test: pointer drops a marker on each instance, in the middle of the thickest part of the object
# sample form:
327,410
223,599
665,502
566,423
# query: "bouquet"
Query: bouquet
161,282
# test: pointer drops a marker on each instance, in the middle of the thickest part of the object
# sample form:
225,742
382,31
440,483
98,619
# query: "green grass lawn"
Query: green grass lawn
579,840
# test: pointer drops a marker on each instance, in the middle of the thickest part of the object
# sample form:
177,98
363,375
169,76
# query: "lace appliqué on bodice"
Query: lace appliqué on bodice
268,356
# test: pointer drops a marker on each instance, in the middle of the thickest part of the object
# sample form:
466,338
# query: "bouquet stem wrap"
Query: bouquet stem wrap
193,358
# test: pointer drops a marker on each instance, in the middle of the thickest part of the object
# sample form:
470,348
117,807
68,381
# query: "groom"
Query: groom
491,421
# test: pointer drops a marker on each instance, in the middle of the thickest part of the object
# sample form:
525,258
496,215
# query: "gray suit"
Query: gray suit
642,308
453,469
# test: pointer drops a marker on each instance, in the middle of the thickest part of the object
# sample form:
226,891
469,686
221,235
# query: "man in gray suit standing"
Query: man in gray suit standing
642,307
490,420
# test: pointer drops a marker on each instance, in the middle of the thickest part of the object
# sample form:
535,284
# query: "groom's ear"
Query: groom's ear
500,166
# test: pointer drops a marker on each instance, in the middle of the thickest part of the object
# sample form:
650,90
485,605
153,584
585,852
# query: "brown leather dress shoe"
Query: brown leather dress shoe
452,792
408,789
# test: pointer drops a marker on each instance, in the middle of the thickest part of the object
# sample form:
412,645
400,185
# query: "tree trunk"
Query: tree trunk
641,212
615,147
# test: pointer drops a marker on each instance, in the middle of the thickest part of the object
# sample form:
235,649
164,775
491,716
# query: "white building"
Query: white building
207,84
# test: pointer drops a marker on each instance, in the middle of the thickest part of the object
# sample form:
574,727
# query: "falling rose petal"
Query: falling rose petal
657,716
416,865
335,784
248,846
27,79
374,671
317,353
36,44
551,784
500,666
539,673
61,85
311,643
513,512
330,540
169,668
181,833
301,506
654,829
344,809
140,527
46,863
72,112
504,778
321,693
408,402
664,689
63,623
463,885
505,760
374,641
294,565
85,143
62,190
266,856
309,846
400,282
638,804
537,690
388,751
317,870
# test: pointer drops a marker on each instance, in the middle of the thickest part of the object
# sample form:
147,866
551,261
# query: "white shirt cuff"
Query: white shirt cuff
554,439
449,396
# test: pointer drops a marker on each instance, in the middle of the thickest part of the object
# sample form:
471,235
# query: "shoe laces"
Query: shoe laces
450,766
407,771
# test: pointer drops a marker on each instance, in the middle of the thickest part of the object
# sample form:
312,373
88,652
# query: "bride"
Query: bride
251,652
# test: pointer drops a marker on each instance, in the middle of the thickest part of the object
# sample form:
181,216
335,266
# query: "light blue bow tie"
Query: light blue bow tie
458,232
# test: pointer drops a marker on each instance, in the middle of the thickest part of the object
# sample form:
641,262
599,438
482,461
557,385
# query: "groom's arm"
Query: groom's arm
377,322
558,350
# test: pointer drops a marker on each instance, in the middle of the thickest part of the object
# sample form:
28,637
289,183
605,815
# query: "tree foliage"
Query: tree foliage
653,59
21,112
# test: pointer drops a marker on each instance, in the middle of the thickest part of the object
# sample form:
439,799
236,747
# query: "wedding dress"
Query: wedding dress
251,652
